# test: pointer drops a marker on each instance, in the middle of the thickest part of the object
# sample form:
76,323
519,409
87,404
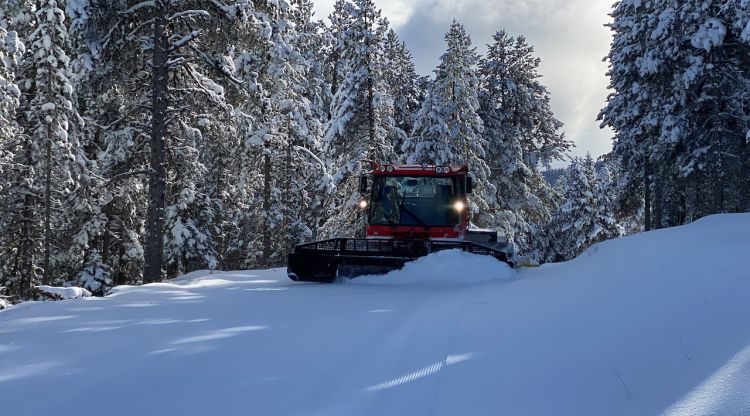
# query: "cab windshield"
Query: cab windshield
415,200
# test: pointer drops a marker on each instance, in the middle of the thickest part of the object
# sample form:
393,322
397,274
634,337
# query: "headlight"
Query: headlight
363,204
459,206
389,168
382,168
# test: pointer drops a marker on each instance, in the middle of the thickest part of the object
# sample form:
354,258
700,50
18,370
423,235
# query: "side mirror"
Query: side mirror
363,184
469,185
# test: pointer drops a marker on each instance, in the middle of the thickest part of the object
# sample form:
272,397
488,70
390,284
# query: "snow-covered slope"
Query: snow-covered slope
657,323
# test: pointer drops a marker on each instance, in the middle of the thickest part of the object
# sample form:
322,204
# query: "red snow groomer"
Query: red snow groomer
412,211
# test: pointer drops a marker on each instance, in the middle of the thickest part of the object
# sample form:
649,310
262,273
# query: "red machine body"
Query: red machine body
412,211
417,231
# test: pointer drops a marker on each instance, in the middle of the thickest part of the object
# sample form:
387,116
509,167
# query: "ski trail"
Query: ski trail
398,374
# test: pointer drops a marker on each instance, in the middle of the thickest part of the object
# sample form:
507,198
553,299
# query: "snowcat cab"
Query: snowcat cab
411,211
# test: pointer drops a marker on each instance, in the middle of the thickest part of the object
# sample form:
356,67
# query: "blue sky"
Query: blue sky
569,37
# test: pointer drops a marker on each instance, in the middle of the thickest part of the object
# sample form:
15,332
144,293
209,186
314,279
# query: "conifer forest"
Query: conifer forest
144,139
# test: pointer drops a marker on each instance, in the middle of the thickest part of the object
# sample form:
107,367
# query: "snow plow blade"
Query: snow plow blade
325,261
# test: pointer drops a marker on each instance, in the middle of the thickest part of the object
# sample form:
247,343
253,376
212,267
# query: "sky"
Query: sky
568,35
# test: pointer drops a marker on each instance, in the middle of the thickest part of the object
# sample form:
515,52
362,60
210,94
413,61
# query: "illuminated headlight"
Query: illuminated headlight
363,204
389,168
459,206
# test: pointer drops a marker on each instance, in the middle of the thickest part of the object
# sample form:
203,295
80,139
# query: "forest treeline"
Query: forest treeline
140,140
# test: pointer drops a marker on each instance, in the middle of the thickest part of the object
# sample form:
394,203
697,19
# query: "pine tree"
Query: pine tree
575,220
279,144
677,69
522,135
15,273
341,21
448,129
586,215
403,84
360,127
607,226
48,119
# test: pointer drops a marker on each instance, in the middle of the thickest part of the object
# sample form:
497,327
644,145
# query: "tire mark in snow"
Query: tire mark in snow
619,377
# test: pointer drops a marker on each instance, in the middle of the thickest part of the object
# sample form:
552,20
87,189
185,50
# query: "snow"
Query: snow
650,324
64,292
709,35
446,267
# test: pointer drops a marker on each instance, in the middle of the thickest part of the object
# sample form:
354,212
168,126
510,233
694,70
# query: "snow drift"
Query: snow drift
445,267
656,323
62,293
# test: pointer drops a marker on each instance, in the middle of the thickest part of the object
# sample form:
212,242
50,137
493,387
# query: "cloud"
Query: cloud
568,35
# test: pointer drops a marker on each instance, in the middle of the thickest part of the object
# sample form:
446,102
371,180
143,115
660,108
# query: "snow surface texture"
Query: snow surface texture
651,324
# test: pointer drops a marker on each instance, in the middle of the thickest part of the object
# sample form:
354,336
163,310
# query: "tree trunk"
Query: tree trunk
26,252
646,195
719,182
48,207
218,195
745,179
658,202
154,250
266,210
290,237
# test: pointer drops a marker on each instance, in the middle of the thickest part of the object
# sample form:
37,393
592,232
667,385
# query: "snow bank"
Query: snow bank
652,324
62,293
446,267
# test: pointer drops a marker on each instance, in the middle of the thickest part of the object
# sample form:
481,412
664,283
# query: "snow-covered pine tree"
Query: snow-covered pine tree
340,23
403,85
522,135
315,43
607,226
123,41
574,222
361,124
16,273
48,119
277,170
676,70
10,50
586,215
106,227
711,117
448,129
629,107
